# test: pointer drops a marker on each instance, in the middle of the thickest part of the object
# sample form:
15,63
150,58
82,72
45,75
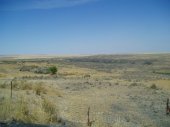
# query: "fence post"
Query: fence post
89,123
167,107
11,89
88,117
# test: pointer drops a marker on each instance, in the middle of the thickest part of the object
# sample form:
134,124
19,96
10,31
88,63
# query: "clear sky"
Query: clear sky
84,26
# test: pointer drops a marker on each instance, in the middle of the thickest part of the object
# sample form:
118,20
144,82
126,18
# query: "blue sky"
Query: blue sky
84,26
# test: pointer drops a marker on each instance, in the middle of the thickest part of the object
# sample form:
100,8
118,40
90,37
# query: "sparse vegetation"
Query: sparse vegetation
120,90
133,84
39,69
147,62
50,108
116,83
163,72
39,89
21,85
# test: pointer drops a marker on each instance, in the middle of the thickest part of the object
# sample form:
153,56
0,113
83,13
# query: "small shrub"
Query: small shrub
116,83
3,86
147,62
87,76
53,70
133,84
153,86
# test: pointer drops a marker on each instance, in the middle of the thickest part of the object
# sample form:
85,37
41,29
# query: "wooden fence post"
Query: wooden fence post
89,123
167,107
11,89
88,117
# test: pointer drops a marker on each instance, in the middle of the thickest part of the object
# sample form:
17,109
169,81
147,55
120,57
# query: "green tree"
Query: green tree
53,70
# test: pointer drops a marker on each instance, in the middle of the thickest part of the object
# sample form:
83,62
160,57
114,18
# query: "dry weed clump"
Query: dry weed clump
21,85
39,89
5,110
25,111
29,108
18,111
4,85
42,88
51,109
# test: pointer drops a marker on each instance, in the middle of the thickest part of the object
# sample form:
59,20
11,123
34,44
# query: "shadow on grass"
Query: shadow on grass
21,124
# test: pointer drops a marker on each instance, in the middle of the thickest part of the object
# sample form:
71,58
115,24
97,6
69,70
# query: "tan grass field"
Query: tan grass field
117,88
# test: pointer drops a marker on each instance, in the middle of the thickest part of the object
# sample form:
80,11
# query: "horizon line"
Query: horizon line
44,54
